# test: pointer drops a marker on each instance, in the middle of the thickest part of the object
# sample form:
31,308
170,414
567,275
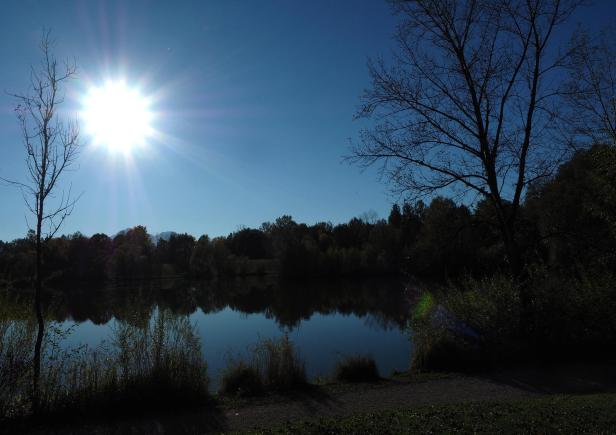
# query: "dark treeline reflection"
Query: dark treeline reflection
288,304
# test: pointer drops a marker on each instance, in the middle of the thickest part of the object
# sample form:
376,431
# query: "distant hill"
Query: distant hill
165,235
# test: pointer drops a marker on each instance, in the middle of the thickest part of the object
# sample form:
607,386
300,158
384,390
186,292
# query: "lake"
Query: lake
325,321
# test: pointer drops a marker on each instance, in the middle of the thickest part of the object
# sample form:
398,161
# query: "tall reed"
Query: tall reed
274,365
150,367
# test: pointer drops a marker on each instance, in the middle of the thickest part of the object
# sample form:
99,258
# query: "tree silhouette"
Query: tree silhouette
469,102
51,147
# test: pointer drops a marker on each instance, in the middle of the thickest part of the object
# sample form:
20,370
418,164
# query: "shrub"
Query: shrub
478,322
574,318
274,365
241,379
358,368
467,326
279,364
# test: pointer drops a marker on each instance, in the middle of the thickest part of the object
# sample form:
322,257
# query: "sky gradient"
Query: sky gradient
254,106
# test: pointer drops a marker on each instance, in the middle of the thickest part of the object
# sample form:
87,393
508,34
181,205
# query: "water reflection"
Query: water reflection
383,304
324,320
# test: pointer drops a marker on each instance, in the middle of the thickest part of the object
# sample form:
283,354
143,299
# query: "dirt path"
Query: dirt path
367,398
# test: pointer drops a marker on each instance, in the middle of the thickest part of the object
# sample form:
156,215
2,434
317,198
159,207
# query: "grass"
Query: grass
280,365
146,368
557,414
274,366
357,368
16,347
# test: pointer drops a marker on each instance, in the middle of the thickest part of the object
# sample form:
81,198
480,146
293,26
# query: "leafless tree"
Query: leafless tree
591,89
52,147
468,102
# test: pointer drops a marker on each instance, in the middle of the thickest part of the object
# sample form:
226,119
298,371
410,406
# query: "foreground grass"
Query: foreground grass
557,414
152,366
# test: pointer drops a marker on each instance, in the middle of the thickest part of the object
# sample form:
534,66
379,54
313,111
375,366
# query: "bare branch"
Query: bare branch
469,101
591,88
51,145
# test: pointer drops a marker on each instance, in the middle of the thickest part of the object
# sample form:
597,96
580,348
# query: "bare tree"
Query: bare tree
468,102
51,147
591,89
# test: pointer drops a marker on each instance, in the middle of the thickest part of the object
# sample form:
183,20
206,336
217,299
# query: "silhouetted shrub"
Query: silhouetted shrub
279,363
479,323
241,379
358,368
574,317
274,365
468,325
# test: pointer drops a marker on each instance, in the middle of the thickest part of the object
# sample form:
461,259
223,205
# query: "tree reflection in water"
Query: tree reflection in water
382,303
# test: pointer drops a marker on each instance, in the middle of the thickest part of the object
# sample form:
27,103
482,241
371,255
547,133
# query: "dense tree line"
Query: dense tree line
567,221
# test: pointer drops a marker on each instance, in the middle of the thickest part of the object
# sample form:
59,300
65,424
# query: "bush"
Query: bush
358,368
574,318
274,366
476,323
279,363
241,379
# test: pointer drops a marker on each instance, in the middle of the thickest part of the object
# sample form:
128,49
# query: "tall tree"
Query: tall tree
468,102
592,86
51,147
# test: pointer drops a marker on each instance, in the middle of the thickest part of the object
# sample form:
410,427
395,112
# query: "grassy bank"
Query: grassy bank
560,414
150,367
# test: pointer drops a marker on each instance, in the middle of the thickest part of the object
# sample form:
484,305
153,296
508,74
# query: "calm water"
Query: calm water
324,321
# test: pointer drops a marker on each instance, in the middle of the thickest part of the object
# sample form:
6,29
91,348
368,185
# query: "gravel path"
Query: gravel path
367,398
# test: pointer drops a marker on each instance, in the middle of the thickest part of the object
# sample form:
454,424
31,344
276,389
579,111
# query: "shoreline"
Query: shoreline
335,401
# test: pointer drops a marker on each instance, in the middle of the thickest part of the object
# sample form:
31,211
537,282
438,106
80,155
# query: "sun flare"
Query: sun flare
117,116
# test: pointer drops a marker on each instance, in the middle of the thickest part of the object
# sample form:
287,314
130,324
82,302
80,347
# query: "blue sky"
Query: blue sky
254,102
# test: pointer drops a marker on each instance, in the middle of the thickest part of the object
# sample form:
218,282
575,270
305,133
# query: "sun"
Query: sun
117,116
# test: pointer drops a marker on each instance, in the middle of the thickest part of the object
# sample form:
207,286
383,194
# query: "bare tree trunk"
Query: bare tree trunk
51,147
36,373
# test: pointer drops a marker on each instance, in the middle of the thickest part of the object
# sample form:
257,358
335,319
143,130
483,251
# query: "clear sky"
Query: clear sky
253,103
